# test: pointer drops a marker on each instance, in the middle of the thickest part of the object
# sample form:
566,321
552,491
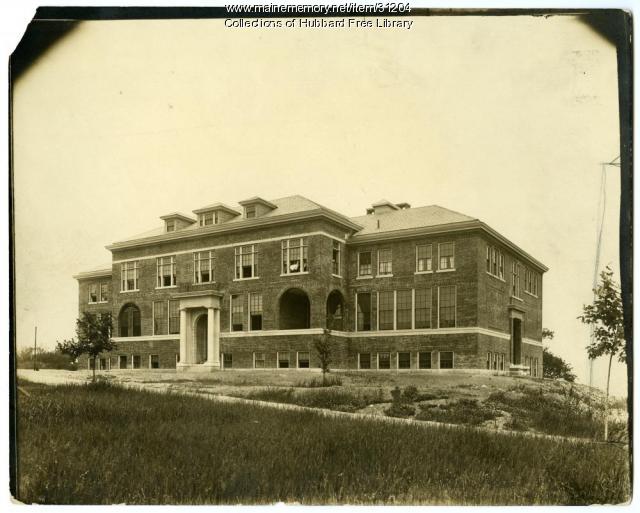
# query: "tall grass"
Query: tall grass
103,444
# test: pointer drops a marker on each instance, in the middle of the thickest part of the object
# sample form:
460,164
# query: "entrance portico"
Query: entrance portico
199,331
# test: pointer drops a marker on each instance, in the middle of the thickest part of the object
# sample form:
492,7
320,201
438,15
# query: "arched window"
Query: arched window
295,310
129,321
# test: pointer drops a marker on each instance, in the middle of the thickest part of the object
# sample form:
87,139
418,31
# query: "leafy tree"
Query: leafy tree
93,334
547,334
605,317
46,359
555,367
323,348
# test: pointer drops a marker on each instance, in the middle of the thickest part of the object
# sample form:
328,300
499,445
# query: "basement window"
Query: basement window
303,360
136,361
424,360
227,361
283,360
364,360
258,360
446,359
154,361
404,360
384,360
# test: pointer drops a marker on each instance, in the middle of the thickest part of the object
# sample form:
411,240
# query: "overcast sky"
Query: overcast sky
504,119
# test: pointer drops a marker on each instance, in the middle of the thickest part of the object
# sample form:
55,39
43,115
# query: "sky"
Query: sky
506,119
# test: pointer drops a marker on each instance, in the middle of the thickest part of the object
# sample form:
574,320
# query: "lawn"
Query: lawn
102,444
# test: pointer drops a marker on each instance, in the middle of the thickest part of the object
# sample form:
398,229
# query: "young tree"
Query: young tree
93,334
555,367
605,317
323,348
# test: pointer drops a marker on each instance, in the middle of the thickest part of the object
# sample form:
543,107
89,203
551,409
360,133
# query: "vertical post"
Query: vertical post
210,336
35,349
216,337
183,335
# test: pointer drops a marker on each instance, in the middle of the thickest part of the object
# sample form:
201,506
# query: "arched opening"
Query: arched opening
295,310
335,311
129,321
201,339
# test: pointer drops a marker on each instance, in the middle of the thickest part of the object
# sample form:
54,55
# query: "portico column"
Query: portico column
183,335
210,337
216,337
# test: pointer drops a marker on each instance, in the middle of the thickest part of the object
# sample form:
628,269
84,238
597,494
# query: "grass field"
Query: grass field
86,444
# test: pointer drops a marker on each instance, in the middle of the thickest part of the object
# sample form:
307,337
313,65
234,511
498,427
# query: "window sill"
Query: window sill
245,279
126,291
336,275
518,298
364,277
445,270
103,302
167,287
496,277
423,272
295,274
205,283
531,294
384,276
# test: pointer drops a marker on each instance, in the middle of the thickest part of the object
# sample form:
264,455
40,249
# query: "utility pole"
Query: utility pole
35,349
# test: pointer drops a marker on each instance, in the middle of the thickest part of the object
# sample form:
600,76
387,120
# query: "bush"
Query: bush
329,381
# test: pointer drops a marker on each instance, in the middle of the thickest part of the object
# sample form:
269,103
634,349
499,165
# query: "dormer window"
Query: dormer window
256,207
250,212
171,225
208,218
175,222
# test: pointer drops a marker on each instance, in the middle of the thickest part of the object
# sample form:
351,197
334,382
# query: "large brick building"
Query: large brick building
397,288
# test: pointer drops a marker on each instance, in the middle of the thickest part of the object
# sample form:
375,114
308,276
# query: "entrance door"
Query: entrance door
516,335
201,339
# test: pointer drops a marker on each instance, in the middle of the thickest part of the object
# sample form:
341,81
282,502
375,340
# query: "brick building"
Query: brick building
397,288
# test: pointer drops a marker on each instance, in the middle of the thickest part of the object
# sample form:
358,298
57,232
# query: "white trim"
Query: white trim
132,290
446,270
272,333
336,275
290,274
384,276
518,298
245,279
532,342
140,338
224,246
168,287
423,272
364,277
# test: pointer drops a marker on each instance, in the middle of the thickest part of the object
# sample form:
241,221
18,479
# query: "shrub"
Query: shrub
328,381
410,394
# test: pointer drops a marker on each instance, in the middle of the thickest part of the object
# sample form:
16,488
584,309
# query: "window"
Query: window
446,359
364,264
385,262
171,225
166,275
489,361
294,256
303,360
237,313
447,307
129,321
92,363
227,361
384,360
423,258
246,262
501,361
515,279
446,253
495,262
103,364
403,309
336,258
530,282
495,361
160,318
283,360
364,360
255,312
129,276
174,316
154,361
423,308
208,218
136,361
93,293
250,212
258,360
122,361
204,267
364,311
385,310
404,360
104,292
424,360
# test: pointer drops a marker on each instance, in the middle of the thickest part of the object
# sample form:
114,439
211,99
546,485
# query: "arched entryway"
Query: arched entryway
201,338
129,321
335,311
294,310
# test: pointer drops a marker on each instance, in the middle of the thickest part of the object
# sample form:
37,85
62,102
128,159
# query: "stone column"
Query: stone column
216,337
210,336
183,336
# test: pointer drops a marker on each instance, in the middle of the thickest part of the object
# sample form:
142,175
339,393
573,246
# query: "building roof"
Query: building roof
256,199
216,206
96,272
178,215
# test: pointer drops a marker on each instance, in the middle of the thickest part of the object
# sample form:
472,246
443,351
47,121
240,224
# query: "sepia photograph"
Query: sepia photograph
321,254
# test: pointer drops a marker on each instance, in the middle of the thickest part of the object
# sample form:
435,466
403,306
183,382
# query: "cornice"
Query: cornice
103,273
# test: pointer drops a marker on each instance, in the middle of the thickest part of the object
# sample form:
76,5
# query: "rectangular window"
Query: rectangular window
122,361
364,264
495,361
303,360
246,262
336,258
104,292
501,361
171,225
403,309
446,359
283,360
423,258
424,360
489,361
385,310
103,364
294,255
204,267
129,276
237,313
136,361
446,254
364,360
255,312
174,316
515,279
227,361
423,308
92,363
384,360
250,212
258,360
385,267
160,318
404,360
447,307
93,293
166,274
208,218
364,311
154,361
